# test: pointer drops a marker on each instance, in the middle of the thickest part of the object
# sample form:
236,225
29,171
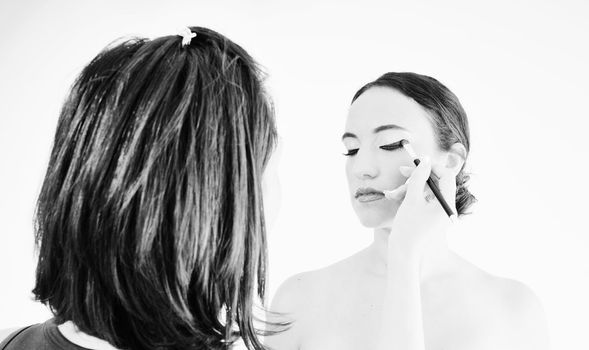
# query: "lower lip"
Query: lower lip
371,197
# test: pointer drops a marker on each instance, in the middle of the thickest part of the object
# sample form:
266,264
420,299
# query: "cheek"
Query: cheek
349,175
391,176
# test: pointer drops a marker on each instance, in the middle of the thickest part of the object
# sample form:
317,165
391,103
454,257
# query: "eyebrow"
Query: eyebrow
377,130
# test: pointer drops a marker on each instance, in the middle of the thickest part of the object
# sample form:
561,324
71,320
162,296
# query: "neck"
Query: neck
74,335
435,259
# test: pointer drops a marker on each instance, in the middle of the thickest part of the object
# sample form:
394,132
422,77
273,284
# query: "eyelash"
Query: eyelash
390,147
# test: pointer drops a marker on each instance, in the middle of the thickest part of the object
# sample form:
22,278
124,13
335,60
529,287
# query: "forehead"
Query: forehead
381,106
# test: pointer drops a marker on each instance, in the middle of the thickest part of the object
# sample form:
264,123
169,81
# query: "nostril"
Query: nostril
365,167
366,175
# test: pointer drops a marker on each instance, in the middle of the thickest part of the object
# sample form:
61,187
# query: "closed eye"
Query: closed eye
392,146
351,152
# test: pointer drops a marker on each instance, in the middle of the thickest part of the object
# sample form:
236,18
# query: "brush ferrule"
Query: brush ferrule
407,146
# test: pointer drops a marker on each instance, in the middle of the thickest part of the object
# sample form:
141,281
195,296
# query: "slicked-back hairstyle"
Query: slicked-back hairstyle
150,223
447,116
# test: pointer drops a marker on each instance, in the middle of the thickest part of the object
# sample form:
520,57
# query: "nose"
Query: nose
365,166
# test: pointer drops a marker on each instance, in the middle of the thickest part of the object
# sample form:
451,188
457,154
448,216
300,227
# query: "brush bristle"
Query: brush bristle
407,146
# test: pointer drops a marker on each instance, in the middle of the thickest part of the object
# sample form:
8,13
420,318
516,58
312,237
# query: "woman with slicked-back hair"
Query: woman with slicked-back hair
149,224
407,290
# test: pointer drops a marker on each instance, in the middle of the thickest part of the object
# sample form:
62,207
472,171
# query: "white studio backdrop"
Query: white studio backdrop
518,67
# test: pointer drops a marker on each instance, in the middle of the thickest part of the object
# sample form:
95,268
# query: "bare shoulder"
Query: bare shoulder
515,295
308,290
509,292
512,307
510,296
301,291
294,303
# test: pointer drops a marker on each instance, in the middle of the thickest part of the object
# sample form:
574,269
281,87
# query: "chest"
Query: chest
351,320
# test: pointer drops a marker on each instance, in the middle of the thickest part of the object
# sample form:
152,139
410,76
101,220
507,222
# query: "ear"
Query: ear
455,158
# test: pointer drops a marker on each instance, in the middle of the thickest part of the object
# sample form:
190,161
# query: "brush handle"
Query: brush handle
432,185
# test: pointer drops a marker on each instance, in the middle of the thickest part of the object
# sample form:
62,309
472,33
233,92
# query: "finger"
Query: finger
429,197
446,181
416,183
428,193
406,170
438,171
398,194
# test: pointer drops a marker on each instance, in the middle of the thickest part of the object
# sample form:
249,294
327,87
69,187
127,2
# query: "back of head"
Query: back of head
447,117
150,220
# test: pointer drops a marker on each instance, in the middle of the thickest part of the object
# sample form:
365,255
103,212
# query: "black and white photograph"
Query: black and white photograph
294,175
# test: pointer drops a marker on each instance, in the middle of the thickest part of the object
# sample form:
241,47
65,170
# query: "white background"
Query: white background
518,67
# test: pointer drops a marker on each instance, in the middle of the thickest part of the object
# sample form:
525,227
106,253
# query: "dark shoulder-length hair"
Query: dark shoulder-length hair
447,117
150,223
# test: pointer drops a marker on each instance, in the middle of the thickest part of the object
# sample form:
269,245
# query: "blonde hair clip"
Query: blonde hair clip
186,35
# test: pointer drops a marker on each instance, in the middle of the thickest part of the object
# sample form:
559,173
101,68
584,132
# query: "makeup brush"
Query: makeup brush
430,181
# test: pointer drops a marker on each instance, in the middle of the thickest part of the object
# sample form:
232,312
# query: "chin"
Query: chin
376,217
371,222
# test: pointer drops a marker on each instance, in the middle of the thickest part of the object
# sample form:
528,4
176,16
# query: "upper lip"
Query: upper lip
366,190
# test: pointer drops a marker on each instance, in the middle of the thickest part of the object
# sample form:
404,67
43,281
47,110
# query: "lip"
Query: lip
368,194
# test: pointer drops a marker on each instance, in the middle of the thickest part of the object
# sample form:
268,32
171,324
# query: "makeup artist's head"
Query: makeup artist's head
391,108
150,219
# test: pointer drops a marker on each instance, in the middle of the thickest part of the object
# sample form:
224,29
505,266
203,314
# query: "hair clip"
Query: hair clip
186,35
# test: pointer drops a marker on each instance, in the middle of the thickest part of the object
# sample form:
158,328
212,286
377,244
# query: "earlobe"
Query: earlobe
455,158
